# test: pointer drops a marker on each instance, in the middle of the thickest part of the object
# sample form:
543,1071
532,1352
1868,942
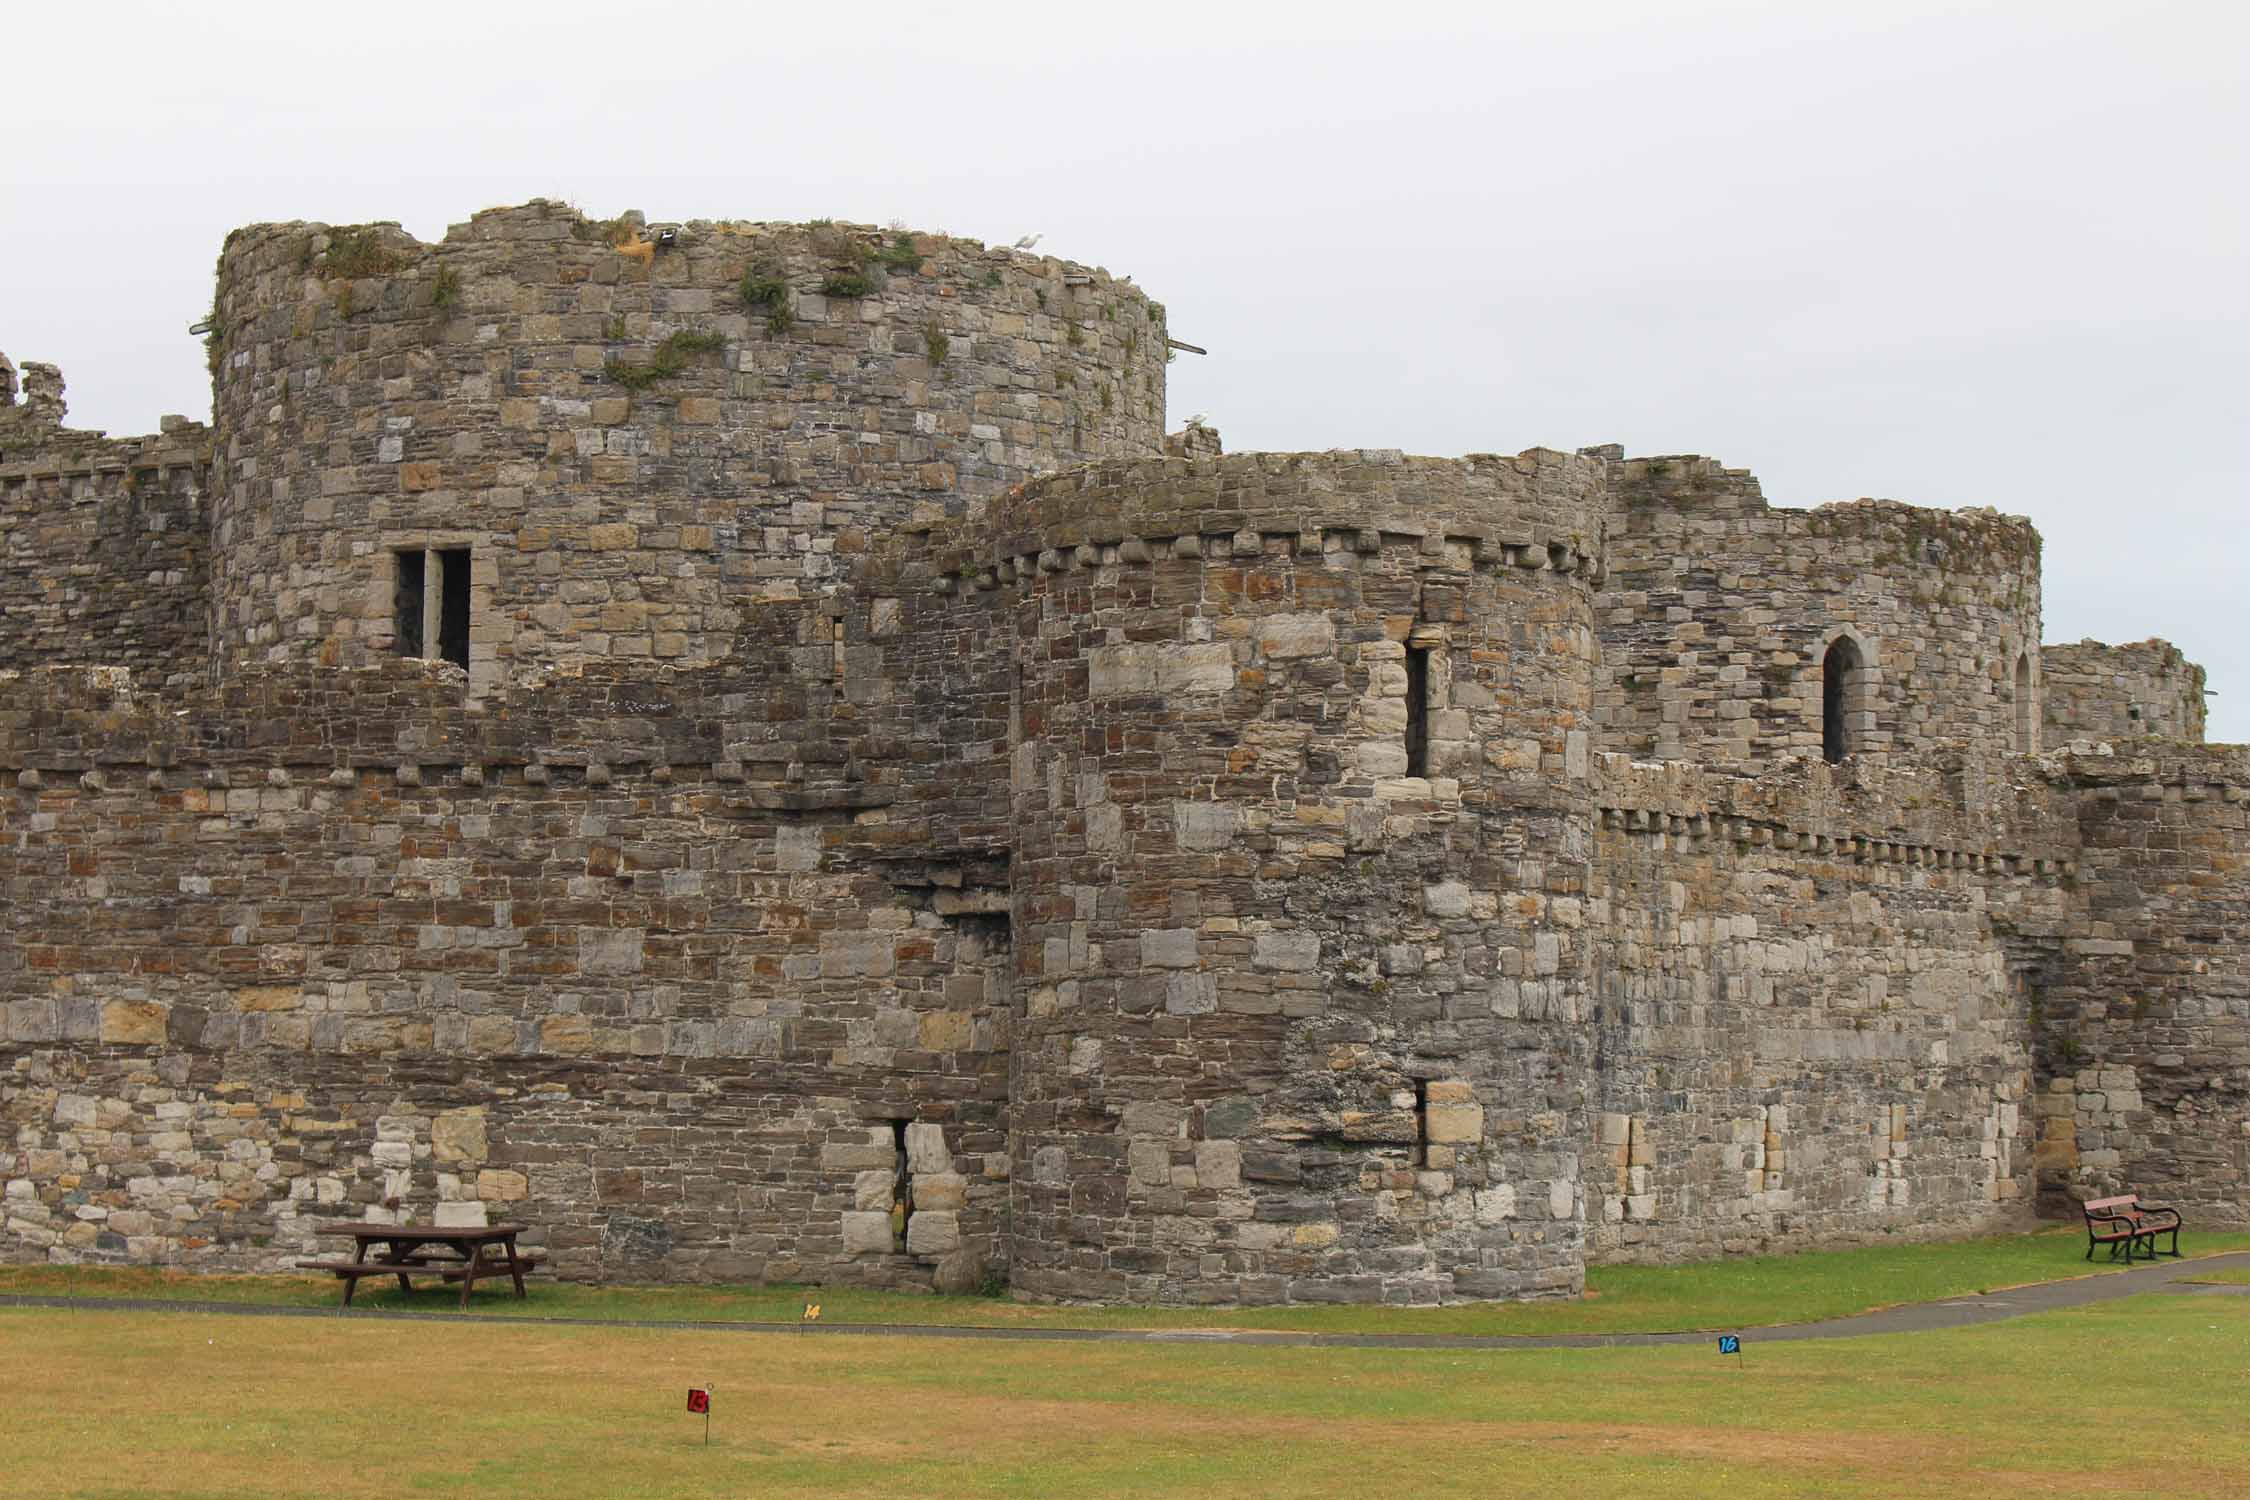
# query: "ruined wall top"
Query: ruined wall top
630,430
1720,612
2146,690
103,554
29,400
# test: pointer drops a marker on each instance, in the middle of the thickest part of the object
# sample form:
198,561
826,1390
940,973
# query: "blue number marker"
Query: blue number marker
1729,1344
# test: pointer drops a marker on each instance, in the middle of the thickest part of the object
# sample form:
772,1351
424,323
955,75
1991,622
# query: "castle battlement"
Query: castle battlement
746,746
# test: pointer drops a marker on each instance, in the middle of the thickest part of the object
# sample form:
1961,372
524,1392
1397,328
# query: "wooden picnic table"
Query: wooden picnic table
463,1253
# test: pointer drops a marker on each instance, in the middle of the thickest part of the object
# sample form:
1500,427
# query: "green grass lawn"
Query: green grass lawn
1743,1292
2224,1276
2127,1397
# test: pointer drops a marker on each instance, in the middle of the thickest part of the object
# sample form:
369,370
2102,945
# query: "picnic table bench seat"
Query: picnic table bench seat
2127,1224
527,1261
464,1254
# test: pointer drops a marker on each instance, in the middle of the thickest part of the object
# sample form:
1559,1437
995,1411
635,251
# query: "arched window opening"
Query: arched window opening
1840,682
2026,722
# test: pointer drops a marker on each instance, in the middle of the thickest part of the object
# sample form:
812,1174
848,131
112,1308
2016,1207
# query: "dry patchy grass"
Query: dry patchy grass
2066,1405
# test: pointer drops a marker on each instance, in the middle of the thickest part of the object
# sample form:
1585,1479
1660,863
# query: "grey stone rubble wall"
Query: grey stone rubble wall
2145,1008
103,542
331,946
1717,613
1809,1028
464,394
2146,690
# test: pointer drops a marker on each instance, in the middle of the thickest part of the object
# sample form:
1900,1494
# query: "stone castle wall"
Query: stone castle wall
1717,613
2146,690
860,852
2144,1007
1809,1021
635,441
103,543
335,945
1295,1026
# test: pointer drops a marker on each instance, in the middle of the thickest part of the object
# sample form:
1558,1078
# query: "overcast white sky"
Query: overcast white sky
1957,254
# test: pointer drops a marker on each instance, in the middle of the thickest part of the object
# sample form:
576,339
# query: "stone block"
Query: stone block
933,1234
856,955
1283,637
1190,994
611,951
458,1136
940,1192
1168,948
1188,670
566,1035
269,997
868,1232
947,1031
461,1214
1448,898
1287,952
1230,1117
1218,1164
874,1191
926,1150
1454,1124
1204,825
128,1023
1153,1117
1150,1163
496,1186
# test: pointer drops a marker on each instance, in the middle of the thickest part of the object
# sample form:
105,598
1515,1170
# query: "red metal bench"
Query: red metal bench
2128,1224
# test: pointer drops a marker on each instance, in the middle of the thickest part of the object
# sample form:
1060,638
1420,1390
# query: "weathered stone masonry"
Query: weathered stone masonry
870,808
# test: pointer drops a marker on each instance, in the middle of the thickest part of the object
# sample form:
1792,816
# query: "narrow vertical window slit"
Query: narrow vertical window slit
1417,711
406,614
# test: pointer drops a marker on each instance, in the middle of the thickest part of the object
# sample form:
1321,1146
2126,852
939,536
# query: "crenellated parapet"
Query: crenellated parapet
1538,511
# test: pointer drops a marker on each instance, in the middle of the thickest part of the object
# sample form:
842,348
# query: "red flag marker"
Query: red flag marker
699,1400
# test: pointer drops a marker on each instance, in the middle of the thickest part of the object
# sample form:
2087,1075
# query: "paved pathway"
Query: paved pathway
1917,1317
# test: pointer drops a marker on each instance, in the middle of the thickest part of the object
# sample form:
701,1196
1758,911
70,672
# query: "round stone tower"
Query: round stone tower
1301,835
546,440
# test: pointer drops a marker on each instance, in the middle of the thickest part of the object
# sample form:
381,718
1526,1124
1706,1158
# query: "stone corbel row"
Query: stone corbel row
1486,553
158,464
1746,833
762,795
